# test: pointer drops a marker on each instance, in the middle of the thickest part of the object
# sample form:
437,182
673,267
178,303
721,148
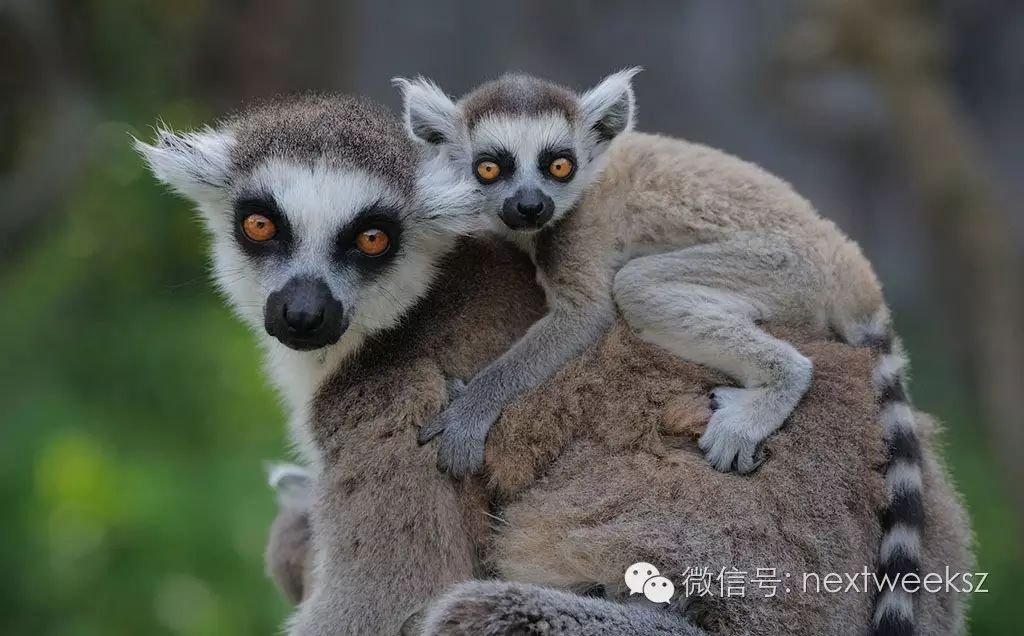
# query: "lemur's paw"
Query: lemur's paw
456,388
463,429
742,419
432,429
460,453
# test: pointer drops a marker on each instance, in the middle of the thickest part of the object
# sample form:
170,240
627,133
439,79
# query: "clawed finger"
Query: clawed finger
430,431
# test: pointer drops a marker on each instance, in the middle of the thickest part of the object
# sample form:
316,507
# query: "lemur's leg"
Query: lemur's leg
493,608
379,556
703,303
387,536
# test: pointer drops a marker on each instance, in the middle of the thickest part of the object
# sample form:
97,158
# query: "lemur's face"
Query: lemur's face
308,251
531,168
532,147
309,245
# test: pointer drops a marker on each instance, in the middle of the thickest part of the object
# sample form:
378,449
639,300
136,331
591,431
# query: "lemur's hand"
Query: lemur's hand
430,430
463,428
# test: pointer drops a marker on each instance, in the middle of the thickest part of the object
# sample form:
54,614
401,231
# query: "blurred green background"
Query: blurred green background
134,418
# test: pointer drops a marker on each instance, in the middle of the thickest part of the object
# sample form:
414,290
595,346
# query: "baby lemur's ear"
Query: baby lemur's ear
196,164
430,115
609,108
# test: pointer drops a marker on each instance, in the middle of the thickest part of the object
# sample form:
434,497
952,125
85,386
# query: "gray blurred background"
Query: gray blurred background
134,417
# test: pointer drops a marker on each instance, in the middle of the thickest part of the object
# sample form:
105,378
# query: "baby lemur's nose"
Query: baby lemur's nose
529,202
530,208
527,208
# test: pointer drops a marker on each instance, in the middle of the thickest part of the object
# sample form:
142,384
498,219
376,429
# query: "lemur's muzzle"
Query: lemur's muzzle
527,209
304,314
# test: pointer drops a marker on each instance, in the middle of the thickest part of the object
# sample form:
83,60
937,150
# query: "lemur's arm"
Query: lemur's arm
581,309
551,342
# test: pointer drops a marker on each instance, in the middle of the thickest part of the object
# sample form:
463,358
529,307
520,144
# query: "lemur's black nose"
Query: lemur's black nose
528,208
304,314
303,319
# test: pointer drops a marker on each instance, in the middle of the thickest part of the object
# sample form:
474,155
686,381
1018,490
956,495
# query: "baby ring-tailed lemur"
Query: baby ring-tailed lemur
694,255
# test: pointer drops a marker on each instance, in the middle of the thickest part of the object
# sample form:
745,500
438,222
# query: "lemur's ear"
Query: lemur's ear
430,115
195,164
609,107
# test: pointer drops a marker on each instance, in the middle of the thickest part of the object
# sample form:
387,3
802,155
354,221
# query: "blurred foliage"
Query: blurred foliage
135,417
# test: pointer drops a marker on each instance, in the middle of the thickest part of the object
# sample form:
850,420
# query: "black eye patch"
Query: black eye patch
283,240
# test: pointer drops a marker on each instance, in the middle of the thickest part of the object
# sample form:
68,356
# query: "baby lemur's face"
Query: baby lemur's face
531,168
319,235
532,147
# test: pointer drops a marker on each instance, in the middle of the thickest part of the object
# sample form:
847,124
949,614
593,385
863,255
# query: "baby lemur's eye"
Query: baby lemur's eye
259,228
373,242
561,168
487,171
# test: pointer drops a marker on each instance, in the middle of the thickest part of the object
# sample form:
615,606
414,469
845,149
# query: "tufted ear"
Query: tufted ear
196,164
430,115
609,108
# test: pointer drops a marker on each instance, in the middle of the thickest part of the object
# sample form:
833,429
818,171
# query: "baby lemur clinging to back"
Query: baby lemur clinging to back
694,246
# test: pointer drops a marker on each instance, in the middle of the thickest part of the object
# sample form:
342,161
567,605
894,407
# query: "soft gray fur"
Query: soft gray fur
697,249
383,513
594,471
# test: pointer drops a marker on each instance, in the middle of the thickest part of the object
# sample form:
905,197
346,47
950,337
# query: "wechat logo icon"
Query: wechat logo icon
644,578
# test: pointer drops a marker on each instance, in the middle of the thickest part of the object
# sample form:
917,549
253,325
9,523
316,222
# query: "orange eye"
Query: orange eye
487,170
259,228
561,168
373,242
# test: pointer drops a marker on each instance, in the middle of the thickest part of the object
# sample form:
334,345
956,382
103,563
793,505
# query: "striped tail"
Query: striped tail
903,515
